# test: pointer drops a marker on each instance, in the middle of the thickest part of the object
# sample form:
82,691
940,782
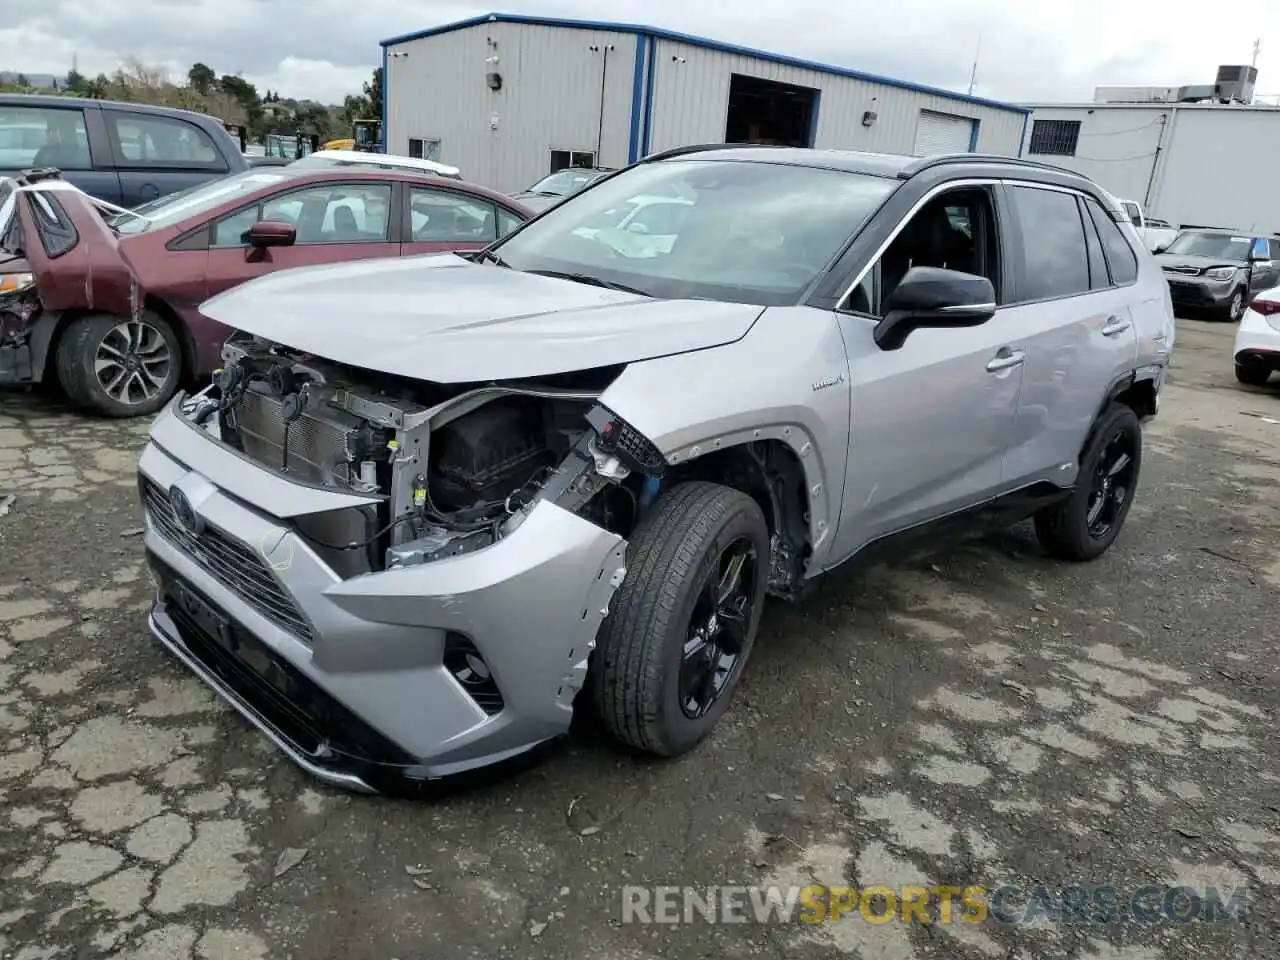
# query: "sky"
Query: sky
320,49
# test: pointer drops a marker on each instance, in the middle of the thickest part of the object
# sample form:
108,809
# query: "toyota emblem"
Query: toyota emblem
185,513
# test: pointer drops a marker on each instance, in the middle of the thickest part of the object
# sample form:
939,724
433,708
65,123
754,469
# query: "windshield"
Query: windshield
168,210
1220,246
749,232
565,182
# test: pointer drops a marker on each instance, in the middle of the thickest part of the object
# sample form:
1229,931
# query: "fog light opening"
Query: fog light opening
471,671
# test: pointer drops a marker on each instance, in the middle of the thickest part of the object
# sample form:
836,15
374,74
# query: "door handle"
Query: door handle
1114,326
1005,359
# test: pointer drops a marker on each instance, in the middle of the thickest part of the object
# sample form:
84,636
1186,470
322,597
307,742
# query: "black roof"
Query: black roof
896,165
48,100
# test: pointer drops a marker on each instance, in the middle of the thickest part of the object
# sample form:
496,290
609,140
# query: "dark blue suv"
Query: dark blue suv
125,153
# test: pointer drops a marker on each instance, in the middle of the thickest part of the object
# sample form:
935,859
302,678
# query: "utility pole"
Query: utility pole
973,74
1257,45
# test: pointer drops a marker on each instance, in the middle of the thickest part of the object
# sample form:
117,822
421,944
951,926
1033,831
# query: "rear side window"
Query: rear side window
1275,249
163,141
1055,255
43,137
56,231
1120,256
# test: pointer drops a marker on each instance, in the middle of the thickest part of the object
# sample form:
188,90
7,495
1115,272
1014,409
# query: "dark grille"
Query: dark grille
233,564
1186,271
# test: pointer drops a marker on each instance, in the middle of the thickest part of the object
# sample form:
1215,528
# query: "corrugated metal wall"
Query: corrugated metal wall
550,99
1209,168
691,100
1116,146
1219,169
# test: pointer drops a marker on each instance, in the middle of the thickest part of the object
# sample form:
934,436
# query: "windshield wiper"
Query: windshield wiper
590,281
483,255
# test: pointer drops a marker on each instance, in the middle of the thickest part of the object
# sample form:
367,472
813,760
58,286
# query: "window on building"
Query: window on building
43,137
1055,253
424,148
1055,138
564,159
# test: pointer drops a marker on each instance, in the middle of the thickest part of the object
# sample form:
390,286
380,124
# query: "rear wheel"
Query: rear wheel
682,624
1084,526
1254,374
119,366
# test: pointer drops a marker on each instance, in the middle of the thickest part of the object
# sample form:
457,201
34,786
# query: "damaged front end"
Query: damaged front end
391,577
20,308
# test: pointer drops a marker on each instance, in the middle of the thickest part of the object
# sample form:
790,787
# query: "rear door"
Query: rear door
335,222
1073,311
69,138
438,220
156,155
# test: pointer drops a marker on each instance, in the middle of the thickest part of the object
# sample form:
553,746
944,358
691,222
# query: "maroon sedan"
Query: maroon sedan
109,305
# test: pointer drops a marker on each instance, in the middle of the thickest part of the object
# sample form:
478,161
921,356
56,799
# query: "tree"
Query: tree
98,88
202,78
22,80
373,94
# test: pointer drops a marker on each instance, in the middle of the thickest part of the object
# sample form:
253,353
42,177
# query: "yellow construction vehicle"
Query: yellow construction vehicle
366,136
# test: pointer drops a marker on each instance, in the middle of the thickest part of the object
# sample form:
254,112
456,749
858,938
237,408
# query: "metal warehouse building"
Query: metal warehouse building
510,99
1207,163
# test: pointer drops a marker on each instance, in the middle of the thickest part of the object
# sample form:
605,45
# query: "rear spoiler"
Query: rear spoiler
47,180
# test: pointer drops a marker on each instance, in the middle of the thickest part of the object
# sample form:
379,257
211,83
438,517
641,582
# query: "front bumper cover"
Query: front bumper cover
1200,292
352,684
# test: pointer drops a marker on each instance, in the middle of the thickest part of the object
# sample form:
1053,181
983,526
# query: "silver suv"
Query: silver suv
432,506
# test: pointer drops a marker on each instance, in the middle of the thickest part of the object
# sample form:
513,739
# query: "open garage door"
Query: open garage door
765,111
943,133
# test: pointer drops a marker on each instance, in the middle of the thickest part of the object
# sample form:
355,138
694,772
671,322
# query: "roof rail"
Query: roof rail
924,163
703,148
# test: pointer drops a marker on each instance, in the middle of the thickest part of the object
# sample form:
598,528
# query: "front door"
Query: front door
930,422
334,222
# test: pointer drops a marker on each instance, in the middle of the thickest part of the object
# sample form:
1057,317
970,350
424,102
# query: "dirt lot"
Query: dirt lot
981,717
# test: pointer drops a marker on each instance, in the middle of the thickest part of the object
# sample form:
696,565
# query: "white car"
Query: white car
1257,350
645,226
384,161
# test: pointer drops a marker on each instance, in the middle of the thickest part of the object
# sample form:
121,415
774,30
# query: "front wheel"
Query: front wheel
119,366
1235,309
1084,526
682,624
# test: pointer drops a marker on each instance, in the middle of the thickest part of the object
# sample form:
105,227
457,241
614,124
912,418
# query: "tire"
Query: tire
1065,530
149,342
1235,309
675,555
1253,374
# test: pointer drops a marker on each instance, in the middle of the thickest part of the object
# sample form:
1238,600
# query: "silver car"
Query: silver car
432,506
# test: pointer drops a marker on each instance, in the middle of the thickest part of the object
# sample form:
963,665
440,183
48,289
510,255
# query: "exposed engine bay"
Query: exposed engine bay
449,469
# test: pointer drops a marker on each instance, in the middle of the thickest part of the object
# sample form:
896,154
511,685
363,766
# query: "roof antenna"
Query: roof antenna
973,74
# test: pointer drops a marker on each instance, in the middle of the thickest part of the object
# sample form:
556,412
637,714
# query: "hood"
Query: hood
537,202
1200,263
449,320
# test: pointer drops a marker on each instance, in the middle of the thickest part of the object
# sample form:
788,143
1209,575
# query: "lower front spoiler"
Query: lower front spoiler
168,633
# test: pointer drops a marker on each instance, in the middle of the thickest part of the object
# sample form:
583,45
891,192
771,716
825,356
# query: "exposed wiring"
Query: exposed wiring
361,544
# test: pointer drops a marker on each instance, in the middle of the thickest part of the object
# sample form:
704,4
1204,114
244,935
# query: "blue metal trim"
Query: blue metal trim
637,101
973,134
386,85
813,118
1022,137
705,44
650,70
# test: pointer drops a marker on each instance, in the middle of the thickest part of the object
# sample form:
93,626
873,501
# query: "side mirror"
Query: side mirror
271,233
933,297
1160,248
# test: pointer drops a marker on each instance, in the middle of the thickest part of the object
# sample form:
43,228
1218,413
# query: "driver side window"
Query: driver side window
954,230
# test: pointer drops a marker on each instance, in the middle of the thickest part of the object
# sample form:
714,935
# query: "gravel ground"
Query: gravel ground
983,716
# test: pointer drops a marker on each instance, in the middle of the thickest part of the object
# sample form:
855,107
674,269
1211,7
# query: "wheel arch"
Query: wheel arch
186,342
772,472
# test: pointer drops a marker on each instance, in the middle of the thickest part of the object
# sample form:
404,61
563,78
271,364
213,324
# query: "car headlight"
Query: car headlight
1221,273
15,282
